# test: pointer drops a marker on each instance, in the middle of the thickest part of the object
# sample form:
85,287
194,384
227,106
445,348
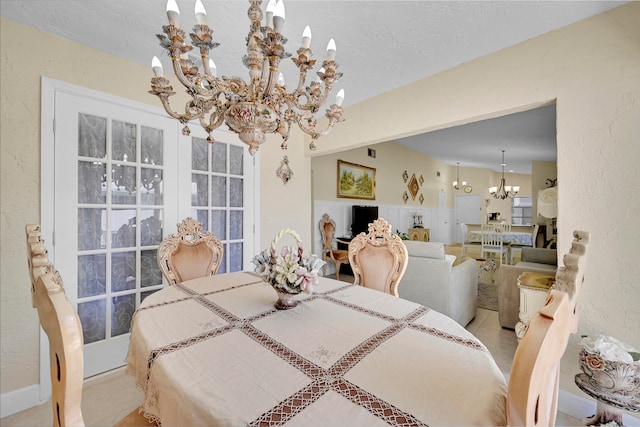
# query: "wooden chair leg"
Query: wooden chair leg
338,271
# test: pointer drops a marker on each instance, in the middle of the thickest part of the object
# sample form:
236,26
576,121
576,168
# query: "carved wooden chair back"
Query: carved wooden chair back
532,398
62,325
336,256
378,258
189,254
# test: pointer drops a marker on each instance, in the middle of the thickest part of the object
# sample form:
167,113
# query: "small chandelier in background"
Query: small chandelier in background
257,107
504,190
456,184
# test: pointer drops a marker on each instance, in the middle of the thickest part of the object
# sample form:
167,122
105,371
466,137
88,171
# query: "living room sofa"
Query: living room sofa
539,260
431,279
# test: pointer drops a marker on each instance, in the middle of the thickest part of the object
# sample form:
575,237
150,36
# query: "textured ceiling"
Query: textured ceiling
381,45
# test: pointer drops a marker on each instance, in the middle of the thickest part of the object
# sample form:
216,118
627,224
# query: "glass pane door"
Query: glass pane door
221,195
111,170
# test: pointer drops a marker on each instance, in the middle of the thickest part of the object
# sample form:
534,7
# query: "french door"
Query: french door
123,176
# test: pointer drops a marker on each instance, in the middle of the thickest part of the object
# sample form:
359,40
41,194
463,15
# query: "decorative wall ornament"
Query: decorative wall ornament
421,198
414,187
405,196
421,180
356,181
284,172
405,176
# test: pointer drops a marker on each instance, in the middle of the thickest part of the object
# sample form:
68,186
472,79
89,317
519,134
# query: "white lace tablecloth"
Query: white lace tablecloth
215,352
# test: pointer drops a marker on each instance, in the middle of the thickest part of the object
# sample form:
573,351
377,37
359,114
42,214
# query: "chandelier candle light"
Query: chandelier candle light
504,190
456,184
262,105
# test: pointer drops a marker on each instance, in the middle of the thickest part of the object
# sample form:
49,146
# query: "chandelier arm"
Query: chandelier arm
308,124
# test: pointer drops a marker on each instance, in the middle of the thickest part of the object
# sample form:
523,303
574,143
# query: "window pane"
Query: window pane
151,146
219,224
199,154
219,157
151,186
219,191
91,229
235,224
92,270
122,308
123,271
123,185
236,160
150,273
151,227
123,141
199,190
236,192
92,136
91,176
123,224
93,316
235,256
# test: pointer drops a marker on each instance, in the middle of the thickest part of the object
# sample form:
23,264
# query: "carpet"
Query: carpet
488,296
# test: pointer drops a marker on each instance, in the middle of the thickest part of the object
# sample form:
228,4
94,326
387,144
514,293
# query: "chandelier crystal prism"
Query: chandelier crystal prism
260,106
504,190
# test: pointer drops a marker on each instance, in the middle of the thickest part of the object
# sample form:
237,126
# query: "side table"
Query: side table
421,234
609,404
534,288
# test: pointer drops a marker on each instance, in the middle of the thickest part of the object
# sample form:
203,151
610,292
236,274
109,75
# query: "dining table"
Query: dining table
513,237
214,351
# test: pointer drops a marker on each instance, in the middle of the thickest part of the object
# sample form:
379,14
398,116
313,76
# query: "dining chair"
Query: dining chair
378,258
466,241
62,325
336,256
190,253
492,242
532,395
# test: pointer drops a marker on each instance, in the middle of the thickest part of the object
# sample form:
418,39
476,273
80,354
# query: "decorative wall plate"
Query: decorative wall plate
405,197
468,189
284,172
421,198
421,180
405,176
414,187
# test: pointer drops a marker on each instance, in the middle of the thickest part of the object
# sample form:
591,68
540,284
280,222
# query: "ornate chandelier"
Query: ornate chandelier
504,190
461,185
257,107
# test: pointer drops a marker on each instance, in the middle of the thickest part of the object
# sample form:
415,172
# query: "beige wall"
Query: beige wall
590,69
392,159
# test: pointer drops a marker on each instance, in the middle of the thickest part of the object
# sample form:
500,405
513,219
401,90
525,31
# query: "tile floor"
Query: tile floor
111,396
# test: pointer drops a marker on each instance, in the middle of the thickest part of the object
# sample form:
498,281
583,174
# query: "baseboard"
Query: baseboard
19,400
581,408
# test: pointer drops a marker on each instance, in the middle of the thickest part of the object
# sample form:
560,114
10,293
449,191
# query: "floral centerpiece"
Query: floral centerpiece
288,272
612,370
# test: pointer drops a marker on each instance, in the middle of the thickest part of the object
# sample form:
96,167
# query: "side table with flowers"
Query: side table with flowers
611,375
289,273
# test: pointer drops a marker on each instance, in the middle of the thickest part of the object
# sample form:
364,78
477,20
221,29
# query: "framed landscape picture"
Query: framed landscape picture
356,181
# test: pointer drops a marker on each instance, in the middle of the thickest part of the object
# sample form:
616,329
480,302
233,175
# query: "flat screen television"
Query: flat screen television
361,216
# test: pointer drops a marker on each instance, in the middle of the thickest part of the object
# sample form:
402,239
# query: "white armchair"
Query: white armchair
431,280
